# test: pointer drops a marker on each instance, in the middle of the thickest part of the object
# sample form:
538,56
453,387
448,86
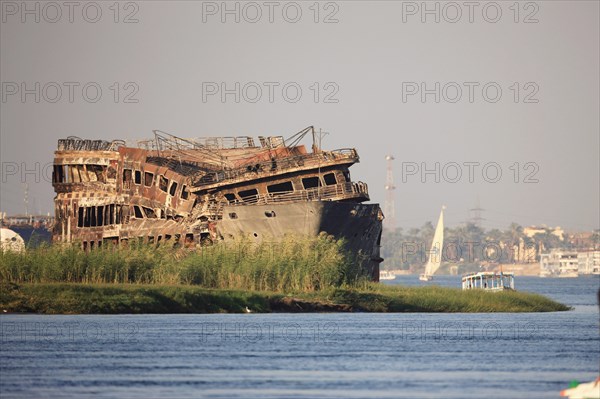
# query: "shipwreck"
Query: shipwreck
196,192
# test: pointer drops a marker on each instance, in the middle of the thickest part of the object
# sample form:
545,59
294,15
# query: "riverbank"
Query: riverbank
71,298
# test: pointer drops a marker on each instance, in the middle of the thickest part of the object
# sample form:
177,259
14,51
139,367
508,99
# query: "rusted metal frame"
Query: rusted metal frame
241,174
180,146
295,139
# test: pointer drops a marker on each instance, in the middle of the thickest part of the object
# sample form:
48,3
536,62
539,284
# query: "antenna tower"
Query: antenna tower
389,208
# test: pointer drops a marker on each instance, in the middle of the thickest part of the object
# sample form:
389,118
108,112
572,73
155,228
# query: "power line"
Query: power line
476,217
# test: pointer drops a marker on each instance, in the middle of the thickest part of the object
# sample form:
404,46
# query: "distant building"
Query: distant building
533,230
569,263
588,262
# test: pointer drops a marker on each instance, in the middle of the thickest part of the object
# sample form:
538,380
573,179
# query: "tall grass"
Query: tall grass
292,264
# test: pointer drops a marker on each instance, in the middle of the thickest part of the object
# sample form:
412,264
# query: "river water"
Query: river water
527,355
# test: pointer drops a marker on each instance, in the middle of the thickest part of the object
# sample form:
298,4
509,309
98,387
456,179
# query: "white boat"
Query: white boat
488,281
435,254
386,275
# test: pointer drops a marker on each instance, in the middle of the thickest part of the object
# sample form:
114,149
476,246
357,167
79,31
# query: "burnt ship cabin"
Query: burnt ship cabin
194,192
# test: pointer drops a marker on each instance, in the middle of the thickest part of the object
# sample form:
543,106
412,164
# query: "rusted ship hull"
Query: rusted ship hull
195,192
357,224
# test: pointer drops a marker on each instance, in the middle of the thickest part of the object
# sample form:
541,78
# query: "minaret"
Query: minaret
389,208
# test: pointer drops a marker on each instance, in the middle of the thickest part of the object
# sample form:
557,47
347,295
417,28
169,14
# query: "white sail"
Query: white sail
435,254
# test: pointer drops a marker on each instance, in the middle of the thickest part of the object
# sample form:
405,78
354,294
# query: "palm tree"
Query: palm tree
513,237
547,240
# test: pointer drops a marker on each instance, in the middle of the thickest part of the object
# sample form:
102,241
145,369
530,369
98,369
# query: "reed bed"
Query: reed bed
292,264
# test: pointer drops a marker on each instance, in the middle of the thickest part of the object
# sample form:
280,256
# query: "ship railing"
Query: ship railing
227,142
277,165
168,141
339,191
345,152
73,143
184,167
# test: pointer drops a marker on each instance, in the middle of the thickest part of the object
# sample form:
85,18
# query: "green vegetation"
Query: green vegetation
295,275
126,298
386,298
291,265
129,298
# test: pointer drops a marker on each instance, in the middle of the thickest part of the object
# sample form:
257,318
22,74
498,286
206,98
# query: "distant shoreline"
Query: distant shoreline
78,298
519,269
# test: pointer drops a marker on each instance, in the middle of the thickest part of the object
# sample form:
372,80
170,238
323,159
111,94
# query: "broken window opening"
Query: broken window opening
185,194
111,173
100,216
96,173
138,212
138,177
86,221
330,179
148,178
248,194
83,173
311,182
58,175
127,176
284,187
149,212
173,188
163,183
75,178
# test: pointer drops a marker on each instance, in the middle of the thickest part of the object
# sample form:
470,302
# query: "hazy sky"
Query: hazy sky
517,87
